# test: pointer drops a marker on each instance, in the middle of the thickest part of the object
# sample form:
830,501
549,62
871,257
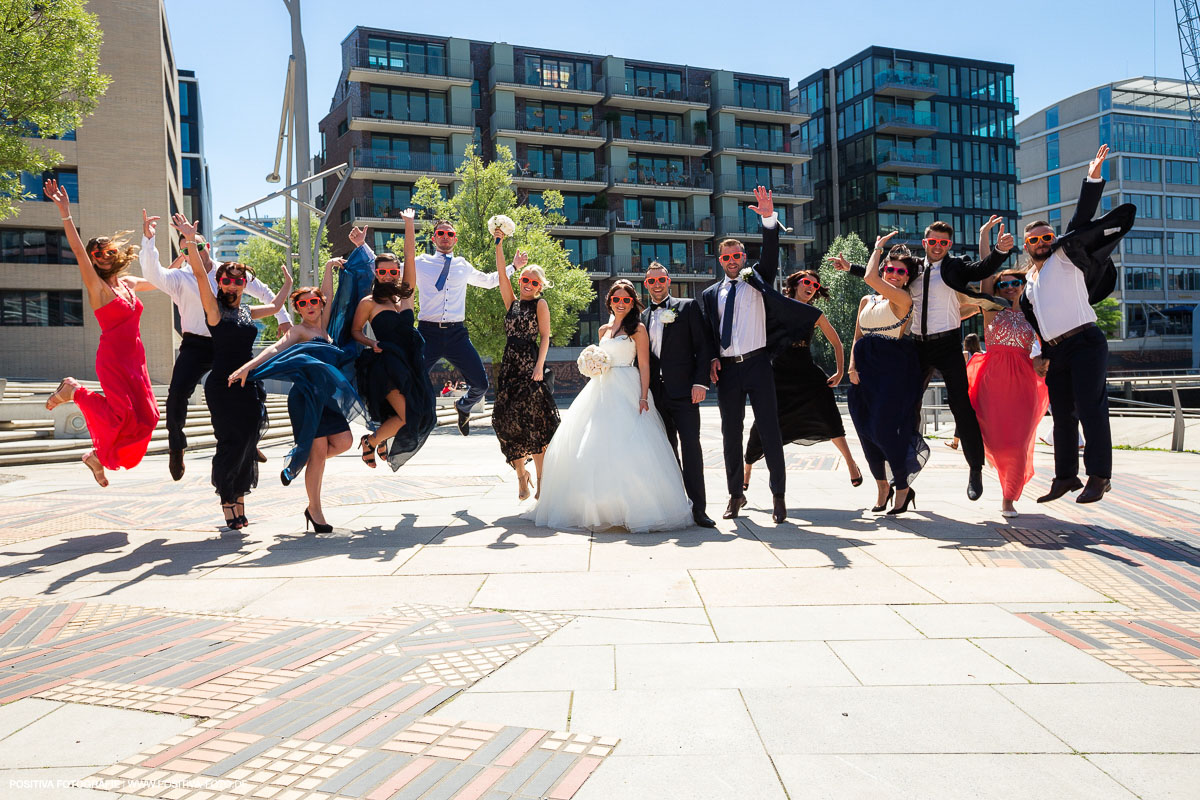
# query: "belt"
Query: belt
197,337
1069,334
433,324
933,337
743,357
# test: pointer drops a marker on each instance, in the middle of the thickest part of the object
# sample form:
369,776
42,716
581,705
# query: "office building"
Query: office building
655,161
1152,164
197,189
226,239
900,138
123,158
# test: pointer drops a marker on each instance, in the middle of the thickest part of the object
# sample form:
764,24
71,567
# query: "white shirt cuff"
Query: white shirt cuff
699,386
1090,179
771,221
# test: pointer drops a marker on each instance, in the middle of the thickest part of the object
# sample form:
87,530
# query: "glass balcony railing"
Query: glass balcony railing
744,225
905,118
751,100
679,222
559,80
430,66
583,218
734,183
906,80
433,111
410,162
642,176
907,155
765,143
681,93
696,263
375,208
908,195
687,137
570,124
562,172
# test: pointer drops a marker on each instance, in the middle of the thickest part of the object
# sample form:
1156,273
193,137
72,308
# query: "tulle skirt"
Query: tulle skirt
1010,399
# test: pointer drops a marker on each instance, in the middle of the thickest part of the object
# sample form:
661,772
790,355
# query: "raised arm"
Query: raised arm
187,230
327,288
97,289
1090,192
768,262
169,280
991,260
839,354
899,298
506,289
409,275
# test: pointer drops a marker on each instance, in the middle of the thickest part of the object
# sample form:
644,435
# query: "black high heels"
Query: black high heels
910,500
317,526
891,492
283,478
232,520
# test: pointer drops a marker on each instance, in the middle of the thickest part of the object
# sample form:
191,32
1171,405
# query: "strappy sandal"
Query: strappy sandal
857,481
241,517
523,490
231,518
368,452
95,466
382,451
55,400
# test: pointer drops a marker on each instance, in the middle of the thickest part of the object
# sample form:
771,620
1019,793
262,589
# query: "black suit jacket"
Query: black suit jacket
1089,244
958,273
684,351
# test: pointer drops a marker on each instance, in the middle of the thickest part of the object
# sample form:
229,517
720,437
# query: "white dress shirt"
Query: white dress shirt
656,330
1059,296
943,302
449,304
749,318
180,285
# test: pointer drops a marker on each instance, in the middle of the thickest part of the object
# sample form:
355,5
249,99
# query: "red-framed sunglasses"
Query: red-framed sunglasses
619,300
727,257
663,279
229,280
896,270
108,252
387,272
446,234
302,303
816,285
931,242
527,281
1046,238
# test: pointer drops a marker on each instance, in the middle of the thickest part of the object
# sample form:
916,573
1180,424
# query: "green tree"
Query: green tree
49,82
1108,316
266,259
845,292
485,189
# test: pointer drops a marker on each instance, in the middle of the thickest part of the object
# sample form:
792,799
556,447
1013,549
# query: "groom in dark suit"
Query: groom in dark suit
679,364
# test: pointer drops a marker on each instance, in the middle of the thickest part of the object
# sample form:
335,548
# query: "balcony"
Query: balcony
566,89
556,177
698,267
907,160
905,121
682,226
647,140
597,267
368,66
530,128
621,93
790,192
902,83
785,151
377,213
742,107
382,166
439,120
638,180
910,199
586,221
742,228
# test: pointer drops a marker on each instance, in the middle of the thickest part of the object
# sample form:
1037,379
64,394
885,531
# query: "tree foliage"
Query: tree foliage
485,189
49,82
1108,316
845,292
266,259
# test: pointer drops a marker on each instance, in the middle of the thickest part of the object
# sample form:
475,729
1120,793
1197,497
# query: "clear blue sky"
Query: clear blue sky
239,48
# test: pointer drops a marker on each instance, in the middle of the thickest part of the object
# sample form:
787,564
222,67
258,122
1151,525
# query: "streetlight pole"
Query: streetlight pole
303,158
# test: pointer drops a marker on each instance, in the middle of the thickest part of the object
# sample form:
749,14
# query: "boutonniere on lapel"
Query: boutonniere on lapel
667,316
746,273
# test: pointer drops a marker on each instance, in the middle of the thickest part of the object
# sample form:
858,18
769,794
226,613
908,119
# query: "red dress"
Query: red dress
1010,399
122,417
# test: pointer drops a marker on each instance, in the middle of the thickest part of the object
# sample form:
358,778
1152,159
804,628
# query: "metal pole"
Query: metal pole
1177,433
303,157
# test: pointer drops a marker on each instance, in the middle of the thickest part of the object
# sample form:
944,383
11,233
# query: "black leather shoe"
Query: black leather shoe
736,504
975,485
779,514
1095,489
176,464
703,520
1059,487
464,421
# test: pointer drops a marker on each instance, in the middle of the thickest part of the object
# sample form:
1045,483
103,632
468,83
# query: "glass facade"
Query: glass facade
37,308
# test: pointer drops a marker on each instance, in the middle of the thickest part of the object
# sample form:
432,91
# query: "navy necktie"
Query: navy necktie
727,318
440,283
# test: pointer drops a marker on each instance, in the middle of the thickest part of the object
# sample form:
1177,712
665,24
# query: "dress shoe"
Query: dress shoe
464,421
1059,487
1095,489
878,508
975,484
703,520
176,464
910,499
736,504
779,513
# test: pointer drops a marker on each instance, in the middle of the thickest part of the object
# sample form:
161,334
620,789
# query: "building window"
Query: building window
582,253
408,105
1143,243
1145,170
33,246
758,94
343,128
1177,208
559,118
1052,151
558,73
673,255
664,170
648,127
400,56
1149,206
1143,278
759,136
32,307
750,176
1183,279
1181,243
1053,190
1183,172
476,102
661,83
67,179
560,164
1052,117
1055,220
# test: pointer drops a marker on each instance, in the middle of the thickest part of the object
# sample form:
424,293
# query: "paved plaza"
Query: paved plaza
436,646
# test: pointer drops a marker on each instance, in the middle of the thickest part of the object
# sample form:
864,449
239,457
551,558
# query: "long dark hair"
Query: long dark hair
792,281
233,269
629,325
385,291
902,254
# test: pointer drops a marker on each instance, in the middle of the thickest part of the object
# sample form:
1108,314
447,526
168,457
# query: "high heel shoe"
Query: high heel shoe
910,500
317,526
877,509
241,517
231,519
368,452
857,481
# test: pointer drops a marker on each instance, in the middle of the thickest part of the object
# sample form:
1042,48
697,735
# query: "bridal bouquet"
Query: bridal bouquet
593,362
501,223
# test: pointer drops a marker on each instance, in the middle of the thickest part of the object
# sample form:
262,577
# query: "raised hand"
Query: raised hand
408,215
58,195
765,204
987,226
840,263
520,260
880,241
149,225
1097,162
186,229
358,236
1004,241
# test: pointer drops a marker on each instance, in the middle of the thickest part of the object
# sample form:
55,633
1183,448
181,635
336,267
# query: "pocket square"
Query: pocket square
1111,231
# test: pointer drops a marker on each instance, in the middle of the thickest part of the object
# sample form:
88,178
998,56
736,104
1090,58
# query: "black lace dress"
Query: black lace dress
524,415
239,413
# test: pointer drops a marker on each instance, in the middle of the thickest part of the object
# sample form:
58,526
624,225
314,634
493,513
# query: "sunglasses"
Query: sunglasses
656,281
810,282
936,242
446,234
1011,283
622,301
1047,238
387,272
302,303
199,245
231,281
530,282
725,259
896,270
108,252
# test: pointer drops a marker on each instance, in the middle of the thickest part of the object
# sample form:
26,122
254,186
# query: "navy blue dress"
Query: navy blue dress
399,367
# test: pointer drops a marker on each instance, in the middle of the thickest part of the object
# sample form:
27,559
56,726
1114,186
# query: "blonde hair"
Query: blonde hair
126,254
540,273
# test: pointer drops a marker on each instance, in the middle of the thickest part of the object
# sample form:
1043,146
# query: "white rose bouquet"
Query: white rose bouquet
593,362
501,223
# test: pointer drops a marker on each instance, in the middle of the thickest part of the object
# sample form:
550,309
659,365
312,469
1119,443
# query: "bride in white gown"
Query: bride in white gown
609,464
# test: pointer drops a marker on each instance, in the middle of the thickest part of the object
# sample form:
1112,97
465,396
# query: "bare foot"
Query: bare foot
63,394
93,463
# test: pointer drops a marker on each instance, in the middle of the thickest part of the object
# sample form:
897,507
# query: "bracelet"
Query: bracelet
67,218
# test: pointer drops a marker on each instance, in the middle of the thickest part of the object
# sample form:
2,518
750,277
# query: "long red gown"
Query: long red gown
1010,399
122,416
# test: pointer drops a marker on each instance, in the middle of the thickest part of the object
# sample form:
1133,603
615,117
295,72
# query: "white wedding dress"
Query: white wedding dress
609,466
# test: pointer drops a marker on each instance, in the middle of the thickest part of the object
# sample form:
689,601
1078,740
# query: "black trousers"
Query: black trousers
681,418
1078,396
755,379
453,343
945,356
194,359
